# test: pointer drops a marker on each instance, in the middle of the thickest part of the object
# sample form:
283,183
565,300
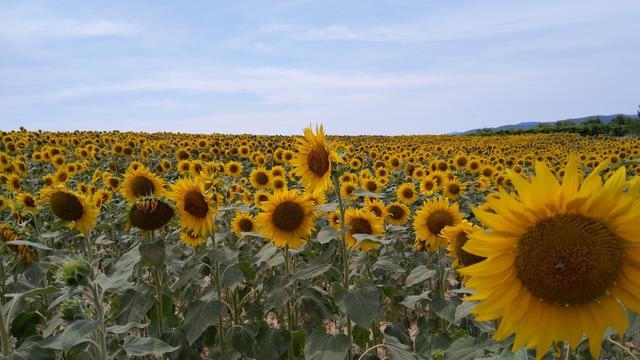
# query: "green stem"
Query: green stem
157,280
345,257
102,331
623,348
216,275
290,304
4,335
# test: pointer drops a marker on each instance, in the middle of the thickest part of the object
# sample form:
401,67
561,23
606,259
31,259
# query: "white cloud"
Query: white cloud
63,28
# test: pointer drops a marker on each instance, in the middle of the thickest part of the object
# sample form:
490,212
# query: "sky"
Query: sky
274,67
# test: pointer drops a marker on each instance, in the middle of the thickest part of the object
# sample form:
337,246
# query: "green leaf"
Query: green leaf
232,277
273,343
365,194
28,243
362,303
243,341
411,300
464,349
153,252
78,332
122,329
327,207
463,310
200,315
264,254
139,346
363,238
419,274
321,346
309,271
397,349
31,349
118,278
326,234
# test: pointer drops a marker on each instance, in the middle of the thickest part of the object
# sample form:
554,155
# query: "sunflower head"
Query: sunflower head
150,214
457,237
406,193
70,206
313,160
397,213
192,239
566,252
362,222
286,219
140,182
431,219
243,222
195,206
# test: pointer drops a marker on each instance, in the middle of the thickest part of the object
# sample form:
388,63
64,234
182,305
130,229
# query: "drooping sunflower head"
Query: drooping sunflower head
243,222
286,219
140,182
150,214
194,205
457,237
362,222
431,219
70,206
568,253
397,213
313,160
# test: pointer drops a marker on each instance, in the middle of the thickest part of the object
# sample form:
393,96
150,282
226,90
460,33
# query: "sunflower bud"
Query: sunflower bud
71,310
75,271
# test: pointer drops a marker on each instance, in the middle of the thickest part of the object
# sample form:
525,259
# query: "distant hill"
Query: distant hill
532,124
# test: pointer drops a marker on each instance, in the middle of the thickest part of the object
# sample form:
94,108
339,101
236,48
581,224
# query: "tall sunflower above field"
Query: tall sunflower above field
313,160
567,254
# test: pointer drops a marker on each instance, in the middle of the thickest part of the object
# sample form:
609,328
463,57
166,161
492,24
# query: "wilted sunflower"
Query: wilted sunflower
141,182
568,255
8,233
243,222
431,219
397,213
286,219
150,214
362,222
194,205
457,236
70,206
313,160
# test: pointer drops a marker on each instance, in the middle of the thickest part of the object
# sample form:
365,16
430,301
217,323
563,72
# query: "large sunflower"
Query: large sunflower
568,255
140,182
362,222
286,219
431,219
313,160
193,205
70,206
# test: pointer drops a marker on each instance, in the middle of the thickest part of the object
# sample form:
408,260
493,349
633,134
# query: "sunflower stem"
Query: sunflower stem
216,275
624,348
290,303
4,335
345,258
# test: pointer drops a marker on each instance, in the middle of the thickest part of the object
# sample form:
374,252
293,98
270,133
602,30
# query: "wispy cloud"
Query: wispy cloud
64,28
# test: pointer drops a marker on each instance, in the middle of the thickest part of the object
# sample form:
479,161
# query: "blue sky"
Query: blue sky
274,67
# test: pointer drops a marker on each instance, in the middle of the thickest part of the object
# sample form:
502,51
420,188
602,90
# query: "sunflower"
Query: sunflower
141,182
397,213
346,188
457,237
568,254
28,202
193,205
259,197
233,168
431,219
371,185
279,183
8,233
243,222
374,206
313,160
150,214
406,193
453,189
260,178
13,183
70,206
362,222
286,219
334,219
192,239
428,186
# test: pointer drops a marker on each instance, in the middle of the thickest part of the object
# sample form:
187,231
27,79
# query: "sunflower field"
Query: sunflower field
123,245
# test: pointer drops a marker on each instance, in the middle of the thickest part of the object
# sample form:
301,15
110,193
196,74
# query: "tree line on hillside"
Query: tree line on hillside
620,125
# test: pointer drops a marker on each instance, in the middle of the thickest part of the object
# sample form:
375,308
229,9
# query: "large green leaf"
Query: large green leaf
419,274
200,315
361,302
309,271
397,349
321,346
272,343
78,332
465,348
118,279
153,252
139,346
28,243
